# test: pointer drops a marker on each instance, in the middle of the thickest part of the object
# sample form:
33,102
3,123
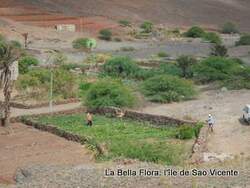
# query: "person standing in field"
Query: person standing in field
89,119
211,123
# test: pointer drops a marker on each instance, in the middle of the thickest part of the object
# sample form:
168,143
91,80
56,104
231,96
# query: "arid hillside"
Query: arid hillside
210,13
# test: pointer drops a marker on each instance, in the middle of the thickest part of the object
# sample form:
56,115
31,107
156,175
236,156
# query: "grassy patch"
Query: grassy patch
126,138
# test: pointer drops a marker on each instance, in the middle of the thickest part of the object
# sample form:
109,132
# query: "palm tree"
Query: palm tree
8,55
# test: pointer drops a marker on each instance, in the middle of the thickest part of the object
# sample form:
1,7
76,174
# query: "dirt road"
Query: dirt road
231,136
28,146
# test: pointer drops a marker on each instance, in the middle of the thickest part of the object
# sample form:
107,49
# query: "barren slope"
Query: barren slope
173,12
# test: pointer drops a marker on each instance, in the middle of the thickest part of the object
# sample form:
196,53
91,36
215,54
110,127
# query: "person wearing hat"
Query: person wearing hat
210,122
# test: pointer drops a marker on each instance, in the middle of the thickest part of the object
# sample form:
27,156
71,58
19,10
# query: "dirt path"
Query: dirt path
230,137
64,107
28,146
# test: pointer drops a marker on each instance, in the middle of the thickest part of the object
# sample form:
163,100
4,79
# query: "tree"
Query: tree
184,63
8,54
219,50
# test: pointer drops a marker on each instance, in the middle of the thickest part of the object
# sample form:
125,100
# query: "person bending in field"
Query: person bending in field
210,122
89,119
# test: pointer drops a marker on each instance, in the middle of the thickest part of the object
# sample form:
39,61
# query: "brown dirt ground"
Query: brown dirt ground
209,13
25,146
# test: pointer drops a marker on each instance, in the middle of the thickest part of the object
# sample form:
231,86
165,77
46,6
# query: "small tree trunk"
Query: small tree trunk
7,95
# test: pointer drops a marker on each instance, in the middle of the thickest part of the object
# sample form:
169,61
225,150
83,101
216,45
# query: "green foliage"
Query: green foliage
162,54
216,68
107,93
125,23
219,50
105,34
166,88
16,44
64,82
212,37
195,32
186,132
244,40
120,67
84,43
26,62
185,63
170,69
229,28
147,27
240,80
124,138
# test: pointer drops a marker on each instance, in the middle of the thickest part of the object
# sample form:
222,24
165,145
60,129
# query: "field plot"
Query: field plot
126,139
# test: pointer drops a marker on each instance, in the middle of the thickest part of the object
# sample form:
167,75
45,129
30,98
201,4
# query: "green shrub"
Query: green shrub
229,28
84,43
162,54
147,27
120,67
64,82
105,34
212,37
107,93
186,132
26,81
216,68
240,80
244,40
185,63
166,88
219,50
197,129
26,62
16,44
125,23
195,32
170,69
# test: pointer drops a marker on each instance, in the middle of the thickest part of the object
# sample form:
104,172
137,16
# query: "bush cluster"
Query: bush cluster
26,62
189,132
198,32
121,67
229,28
216,68
195,32
106,93
166,88
230,73
244,40
65,85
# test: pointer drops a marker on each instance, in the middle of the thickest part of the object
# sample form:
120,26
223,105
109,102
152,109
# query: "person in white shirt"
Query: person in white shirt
211,123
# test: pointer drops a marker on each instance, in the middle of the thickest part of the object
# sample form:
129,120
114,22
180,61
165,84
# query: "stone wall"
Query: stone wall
200,146
157,120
